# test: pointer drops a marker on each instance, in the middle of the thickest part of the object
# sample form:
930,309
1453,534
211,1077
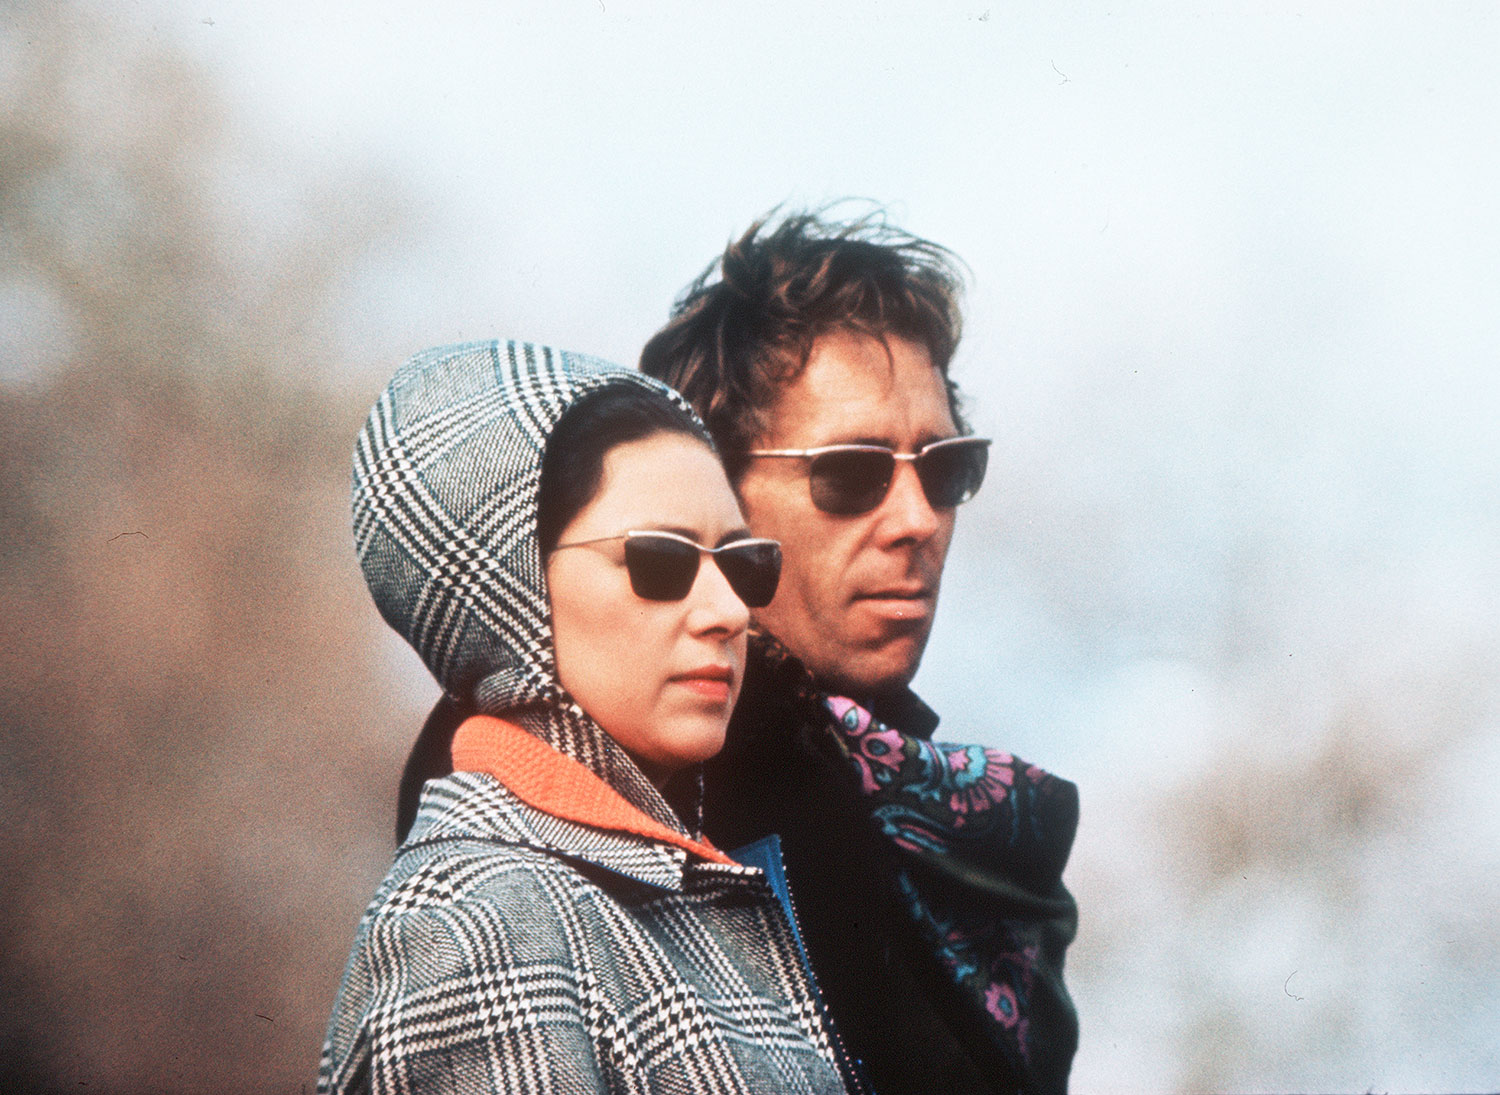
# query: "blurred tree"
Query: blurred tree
199,800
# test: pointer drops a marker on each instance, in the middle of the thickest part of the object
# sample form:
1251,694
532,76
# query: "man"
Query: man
927,879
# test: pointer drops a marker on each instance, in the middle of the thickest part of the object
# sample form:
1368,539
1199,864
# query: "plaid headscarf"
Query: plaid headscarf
446,472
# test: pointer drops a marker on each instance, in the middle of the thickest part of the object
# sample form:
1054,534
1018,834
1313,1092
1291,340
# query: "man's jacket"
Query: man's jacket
926,877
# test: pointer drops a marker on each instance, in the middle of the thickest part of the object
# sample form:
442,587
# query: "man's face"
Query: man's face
857,593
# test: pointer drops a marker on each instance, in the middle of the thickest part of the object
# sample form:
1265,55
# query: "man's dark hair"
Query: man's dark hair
733,342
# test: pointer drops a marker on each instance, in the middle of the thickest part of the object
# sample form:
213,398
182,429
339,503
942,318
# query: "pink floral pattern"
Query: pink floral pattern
981,778
1000,1001
932,797
875,750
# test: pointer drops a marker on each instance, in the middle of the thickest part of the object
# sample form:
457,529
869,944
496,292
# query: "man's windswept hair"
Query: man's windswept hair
733,341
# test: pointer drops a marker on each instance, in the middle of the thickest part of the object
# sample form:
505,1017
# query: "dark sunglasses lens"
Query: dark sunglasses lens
952,474
661,569
846,483
752,571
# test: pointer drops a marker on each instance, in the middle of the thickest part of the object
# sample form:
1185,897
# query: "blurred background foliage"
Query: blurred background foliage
196,801
1237,570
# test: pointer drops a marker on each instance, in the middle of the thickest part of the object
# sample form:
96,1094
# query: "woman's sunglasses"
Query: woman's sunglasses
852,479
664,565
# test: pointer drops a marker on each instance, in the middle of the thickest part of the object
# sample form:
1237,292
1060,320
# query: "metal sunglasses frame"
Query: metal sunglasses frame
884,450
712,552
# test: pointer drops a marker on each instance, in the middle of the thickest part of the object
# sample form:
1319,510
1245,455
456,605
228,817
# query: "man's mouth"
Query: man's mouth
900,601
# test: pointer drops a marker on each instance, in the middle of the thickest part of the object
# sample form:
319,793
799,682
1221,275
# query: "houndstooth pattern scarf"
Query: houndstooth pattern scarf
446,473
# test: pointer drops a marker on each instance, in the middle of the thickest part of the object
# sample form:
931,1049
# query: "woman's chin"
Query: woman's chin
679,743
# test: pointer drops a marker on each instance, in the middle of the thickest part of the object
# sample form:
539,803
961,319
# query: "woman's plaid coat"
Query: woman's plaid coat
510,951
575,939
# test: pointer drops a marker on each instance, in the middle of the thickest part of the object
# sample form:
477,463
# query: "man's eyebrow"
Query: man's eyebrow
863,439
732,536
887,443
930,439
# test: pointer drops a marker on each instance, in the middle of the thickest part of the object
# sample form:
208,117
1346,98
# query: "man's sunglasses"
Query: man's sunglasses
664,565
852,479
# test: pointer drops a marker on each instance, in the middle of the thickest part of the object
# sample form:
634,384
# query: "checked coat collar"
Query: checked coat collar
511,950
560,787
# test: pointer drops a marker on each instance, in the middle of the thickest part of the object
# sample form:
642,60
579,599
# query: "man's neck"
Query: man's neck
902,709
896,706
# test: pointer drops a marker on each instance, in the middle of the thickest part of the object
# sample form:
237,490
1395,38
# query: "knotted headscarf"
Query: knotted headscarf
446,474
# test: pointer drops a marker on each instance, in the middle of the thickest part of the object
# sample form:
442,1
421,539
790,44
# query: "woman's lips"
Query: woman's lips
711,682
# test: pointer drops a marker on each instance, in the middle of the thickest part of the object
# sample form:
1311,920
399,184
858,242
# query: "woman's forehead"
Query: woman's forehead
665,481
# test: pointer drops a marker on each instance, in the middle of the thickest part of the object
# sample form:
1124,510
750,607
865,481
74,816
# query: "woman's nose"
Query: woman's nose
715,604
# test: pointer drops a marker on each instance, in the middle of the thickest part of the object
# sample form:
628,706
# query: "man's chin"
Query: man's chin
864,674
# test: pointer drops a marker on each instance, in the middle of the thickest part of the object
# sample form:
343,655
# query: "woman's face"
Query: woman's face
660,676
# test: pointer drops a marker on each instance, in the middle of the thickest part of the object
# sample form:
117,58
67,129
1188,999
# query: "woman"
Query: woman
557,540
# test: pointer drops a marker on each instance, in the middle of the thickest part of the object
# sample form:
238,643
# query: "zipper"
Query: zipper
766,855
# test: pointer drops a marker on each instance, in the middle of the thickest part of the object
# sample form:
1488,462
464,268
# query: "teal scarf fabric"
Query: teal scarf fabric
984,838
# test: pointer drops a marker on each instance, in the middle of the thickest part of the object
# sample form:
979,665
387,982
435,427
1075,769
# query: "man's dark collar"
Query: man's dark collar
900,708
906,711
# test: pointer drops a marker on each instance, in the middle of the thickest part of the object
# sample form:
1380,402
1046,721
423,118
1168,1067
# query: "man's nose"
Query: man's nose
906,514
